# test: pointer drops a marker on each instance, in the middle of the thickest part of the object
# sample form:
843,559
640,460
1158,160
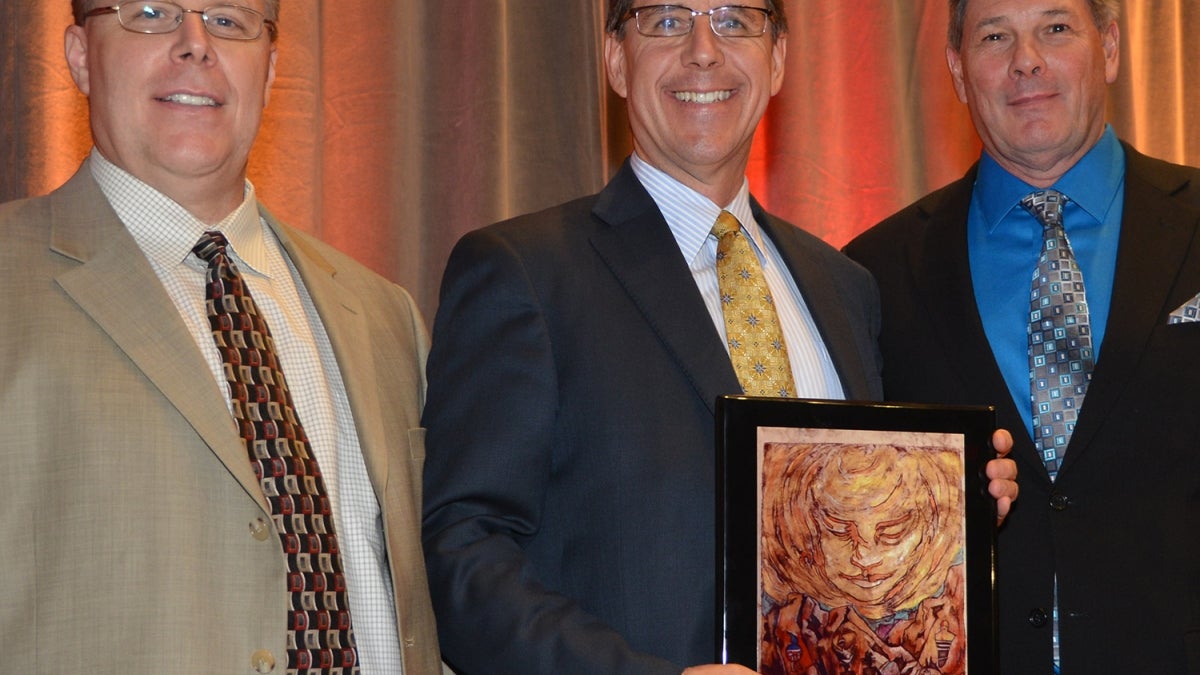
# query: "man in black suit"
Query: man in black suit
578,354
1099,565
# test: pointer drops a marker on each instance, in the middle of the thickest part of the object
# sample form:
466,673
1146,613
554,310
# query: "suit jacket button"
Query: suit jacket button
263,661
1037,617
1059,502
259,529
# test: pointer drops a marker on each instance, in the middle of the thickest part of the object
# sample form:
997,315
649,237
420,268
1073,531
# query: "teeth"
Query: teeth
189,99
703,97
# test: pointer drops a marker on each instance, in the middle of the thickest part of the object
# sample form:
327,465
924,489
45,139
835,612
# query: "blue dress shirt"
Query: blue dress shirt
1004,242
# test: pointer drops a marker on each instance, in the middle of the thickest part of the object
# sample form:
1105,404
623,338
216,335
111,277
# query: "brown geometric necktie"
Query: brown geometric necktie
320,637
1060,335
756,345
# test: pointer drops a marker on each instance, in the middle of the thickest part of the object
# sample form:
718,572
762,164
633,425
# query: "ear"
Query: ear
270,75
954,60
75,47
778,59
614,63
1110,38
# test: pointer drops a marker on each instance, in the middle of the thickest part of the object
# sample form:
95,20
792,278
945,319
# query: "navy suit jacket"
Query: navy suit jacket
569,484
1119,525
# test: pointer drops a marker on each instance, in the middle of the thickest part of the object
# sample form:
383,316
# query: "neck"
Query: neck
1044,170
209,206
209,195
209,200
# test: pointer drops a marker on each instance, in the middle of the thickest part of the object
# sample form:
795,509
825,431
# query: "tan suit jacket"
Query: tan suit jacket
133,535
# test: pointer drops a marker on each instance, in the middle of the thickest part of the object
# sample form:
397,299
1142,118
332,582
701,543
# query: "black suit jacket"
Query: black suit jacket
569,483
1120,525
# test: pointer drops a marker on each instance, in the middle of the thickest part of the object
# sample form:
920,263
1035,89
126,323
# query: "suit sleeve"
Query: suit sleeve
491,420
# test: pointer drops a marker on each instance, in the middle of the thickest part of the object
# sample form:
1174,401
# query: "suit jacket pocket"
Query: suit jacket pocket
416,450
416,444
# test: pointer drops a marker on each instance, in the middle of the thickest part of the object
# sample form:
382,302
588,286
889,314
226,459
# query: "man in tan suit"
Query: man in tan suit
137,537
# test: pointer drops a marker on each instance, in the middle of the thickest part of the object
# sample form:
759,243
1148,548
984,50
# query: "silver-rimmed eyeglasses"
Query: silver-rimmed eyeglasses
230,22
676,20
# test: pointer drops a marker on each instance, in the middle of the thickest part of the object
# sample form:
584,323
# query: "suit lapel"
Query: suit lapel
344,319
823,304
944,284
117,288
1156,234
943,277
642,254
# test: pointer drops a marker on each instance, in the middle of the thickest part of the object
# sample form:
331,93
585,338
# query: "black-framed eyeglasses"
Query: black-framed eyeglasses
229,22
676,20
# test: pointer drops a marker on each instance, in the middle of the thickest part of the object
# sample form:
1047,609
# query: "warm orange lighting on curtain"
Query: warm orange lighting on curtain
392,138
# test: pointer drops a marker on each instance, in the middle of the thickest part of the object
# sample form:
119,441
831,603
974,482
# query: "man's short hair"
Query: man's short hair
1103,13
619,9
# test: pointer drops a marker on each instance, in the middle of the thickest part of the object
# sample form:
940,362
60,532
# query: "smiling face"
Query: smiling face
694,101
178,110
1034,74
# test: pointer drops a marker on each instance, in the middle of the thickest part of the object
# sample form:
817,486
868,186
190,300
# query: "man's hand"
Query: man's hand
718,669
1002,474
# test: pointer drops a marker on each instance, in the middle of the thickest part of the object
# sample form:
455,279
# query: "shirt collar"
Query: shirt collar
166,231
1092,184
691,215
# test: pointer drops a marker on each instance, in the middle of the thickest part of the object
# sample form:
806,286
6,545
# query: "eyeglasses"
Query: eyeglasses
230,22
676,20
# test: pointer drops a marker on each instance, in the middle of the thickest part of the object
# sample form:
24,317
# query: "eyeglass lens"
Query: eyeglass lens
673,20
223,21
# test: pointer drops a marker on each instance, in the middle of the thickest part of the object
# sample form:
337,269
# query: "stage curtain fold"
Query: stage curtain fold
393,128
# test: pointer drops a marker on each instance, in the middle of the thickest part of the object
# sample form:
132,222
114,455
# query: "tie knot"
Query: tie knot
210,245
726,223
1046,206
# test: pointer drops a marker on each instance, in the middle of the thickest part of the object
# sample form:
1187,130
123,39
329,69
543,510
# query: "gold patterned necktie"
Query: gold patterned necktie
756,345
320,638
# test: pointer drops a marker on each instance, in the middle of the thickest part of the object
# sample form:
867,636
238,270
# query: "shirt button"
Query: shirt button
1059,502
1037,617
259,529
263,661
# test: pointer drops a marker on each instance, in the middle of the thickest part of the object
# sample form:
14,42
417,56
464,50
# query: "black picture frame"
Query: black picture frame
872,457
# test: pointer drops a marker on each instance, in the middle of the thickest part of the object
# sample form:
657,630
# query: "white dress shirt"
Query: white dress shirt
166,233
691,215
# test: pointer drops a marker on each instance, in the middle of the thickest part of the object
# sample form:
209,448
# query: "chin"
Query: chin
196,160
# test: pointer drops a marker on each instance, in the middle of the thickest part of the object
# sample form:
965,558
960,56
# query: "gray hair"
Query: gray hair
1103,13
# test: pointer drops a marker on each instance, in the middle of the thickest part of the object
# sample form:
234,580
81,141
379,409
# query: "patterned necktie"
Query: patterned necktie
1060,337
320,637
756,345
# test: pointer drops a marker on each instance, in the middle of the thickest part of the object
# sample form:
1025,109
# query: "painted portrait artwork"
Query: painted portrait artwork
855,538
862,542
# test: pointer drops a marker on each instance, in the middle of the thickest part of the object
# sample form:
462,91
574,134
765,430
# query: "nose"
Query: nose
703,45
193,40
1027,58
866,558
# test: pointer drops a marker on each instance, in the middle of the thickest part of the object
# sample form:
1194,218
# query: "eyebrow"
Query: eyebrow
1055,13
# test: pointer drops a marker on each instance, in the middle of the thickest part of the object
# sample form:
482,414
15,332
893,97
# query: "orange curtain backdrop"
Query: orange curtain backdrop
1157,103
868,119
395,127
43,119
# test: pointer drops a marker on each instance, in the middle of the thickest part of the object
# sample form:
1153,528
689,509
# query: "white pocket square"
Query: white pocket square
1188,312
